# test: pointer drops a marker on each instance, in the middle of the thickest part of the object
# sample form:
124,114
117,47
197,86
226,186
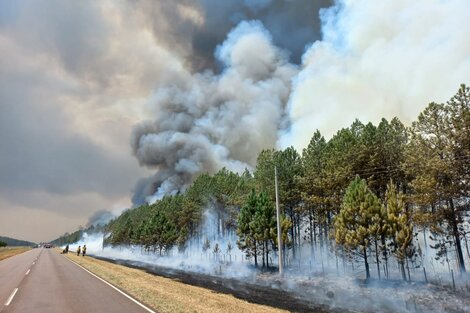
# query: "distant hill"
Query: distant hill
11,242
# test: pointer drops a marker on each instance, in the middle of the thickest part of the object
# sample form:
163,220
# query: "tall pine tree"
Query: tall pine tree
356,222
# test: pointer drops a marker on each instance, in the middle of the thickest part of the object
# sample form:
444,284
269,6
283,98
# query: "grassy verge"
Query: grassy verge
7,252
164,294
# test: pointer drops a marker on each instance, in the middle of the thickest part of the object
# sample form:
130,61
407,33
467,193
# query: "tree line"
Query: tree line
364,193
12,242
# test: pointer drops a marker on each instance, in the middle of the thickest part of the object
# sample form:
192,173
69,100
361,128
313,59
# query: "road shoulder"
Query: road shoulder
164,294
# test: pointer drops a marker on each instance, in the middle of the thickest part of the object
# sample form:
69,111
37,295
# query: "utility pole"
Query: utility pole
278,216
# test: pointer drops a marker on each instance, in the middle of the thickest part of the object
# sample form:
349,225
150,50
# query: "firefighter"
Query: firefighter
84,250
78,251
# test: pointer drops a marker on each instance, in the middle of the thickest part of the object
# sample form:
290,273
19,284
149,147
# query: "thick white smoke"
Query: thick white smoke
379,59
228,260
204,122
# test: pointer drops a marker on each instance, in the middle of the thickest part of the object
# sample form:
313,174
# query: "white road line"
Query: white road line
27,272
11,297
115,288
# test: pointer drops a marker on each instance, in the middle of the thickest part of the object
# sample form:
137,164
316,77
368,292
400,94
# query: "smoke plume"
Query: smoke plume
100,218
379,60
374,60
204,122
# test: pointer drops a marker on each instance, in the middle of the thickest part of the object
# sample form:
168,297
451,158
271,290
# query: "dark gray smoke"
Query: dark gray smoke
228,100
100,218
193,28
204,122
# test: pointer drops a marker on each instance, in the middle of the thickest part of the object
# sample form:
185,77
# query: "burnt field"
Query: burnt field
316,292
270,292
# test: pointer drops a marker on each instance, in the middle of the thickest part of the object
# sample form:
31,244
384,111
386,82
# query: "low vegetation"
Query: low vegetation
6,252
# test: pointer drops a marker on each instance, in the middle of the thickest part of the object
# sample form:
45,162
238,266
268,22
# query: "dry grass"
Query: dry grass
164,294
7,252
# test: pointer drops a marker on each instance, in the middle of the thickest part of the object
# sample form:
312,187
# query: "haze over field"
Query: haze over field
108,104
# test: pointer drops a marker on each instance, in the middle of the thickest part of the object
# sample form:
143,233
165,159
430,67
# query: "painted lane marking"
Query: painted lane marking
29,270
115,288
11,297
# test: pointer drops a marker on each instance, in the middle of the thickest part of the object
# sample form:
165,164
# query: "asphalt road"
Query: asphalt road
44,281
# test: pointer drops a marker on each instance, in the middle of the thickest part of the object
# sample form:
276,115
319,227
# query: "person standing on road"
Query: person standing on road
84,250
78,251
67,249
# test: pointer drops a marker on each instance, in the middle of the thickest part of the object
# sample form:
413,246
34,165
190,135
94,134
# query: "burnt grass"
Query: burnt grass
260,293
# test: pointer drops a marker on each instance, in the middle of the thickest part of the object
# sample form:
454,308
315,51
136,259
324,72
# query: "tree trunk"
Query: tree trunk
326,232
377,257
292,231
267,254
256,255
299,237
466,245
385,254
312,230
262,254
402,269
456,234
314,234
320,235
364,250
408,269
284,255
424,237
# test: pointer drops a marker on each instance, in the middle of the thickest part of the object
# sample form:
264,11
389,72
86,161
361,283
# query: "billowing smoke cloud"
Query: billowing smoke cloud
379,59
203,24
204,122
75,77
374,60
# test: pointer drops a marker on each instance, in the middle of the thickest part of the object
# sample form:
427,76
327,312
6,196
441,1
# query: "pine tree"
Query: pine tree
246,228
257,227
264,224
400,226
313,186
437,159
355,225
289,168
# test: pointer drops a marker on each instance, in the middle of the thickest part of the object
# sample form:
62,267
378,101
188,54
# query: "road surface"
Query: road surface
44,281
